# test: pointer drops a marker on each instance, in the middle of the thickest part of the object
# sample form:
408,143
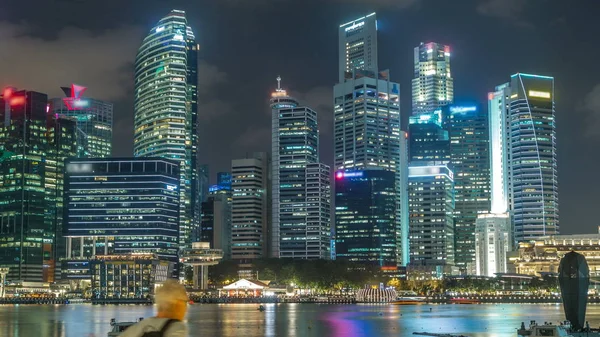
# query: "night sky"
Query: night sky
245,44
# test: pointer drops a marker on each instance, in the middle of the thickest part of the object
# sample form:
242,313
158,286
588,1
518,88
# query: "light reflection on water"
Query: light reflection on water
293,320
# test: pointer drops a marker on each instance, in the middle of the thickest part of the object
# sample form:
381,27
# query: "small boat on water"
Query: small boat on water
408,301
463,301
119,327
261,308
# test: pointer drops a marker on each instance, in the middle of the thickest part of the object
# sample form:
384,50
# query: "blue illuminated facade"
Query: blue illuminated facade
122,206
365,217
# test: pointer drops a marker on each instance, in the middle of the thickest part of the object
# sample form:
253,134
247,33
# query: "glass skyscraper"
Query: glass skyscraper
365,217
429,141
33,146
94,121
432,84
296,232
533,182
166,107
122,206
367,133
469,156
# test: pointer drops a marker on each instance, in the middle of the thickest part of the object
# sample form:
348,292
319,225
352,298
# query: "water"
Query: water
293,320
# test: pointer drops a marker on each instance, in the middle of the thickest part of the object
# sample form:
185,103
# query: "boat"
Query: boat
119,327
408,301
463,301
261,308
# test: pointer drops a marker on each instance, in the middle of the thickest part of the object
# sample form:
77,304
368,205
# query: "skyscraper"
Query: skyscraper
122,206
94,121
431,205
366,120
429,141
250,207
432,84
33,146
469,157
166,107
358,46
301,223
533,182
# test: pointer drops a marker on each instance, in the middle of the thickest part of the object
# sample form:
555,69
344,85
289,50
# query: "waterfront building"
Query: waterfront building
301,226
165,108
467,127
250,207
122,206
33,146
128,276
366,223
493,240
358,46
542,255
431,228
533,183
94,120
432,84
200,257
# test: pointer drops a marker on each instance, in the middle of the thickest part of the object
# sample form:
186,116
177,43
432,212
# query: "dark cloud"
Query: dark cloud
102,61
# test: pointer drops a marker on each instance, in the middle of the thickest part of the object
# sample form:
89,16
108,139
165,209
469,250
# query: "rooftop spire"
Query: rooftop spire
278,83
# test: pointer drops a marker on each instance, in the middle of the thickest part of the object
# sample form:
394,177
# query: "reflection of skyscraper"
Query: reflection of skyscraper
366,122
33,146
94,121
533,183
432,85
166,106
301,190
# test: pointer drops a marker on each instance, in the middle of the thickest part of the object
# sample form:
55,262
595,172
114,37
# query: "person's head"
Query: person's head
171,300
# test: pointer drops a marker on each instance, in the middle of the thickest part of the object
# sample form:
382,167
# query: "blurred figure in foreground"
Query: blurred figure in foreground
171,301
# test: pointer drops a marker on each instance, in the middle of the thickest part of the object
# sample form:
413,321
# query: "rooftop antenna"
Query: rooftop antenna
278,83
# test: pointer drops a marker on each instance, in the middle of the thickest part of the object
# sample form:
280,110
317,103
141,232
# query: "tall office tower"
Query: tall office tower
250,207
365,217
533,182
432,85
431,205
122,206
300,185
469,156
216,223
494,228
203,192
358,46
366,125
402,214
33,145
94,121
166,108
429,140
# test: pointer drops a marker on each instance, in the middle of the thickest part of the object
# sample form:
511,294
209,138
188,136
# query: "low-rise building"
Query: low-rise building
543,255
128,276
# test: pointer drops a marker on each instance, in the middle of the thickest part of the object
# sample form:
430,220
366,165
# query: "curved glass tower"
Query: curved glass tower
166,107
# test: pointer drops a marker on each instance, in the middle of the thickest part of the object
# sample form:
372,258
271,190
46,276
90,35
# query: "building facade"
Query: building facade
429,140
358,46
493,239
533,182
431,228
122,206
365,228
216,223
94,120
250,207
469,157
432,84
165,107
301,226
33,146
542,255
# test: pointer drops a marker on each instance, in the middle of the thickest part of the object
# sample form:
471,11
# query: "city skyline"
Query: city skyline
576,211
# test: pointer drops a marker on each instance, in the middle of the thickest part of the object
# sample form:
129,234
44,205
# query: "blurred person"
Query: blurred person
171,300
